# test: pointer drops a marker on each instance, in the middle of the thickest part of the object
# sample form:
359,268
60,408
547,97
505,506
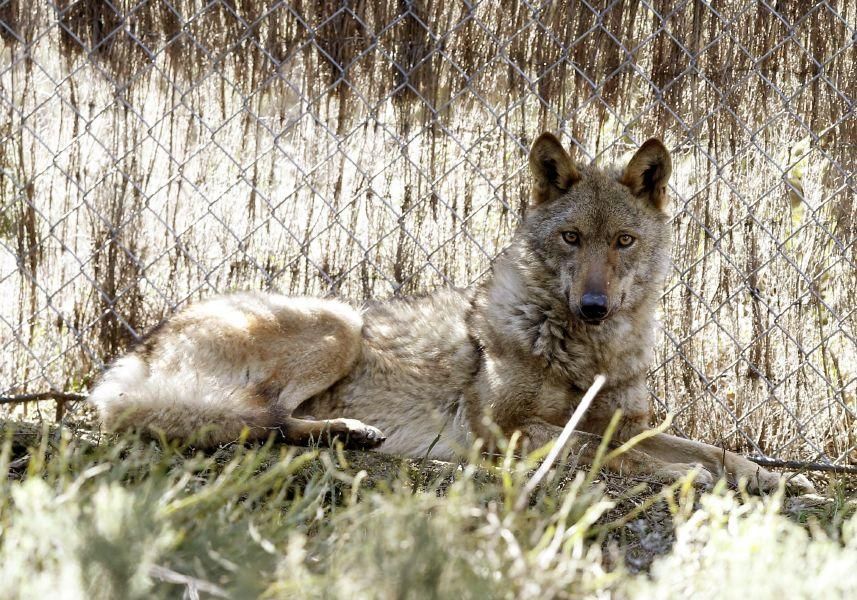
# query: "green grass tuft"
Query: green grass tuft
138,519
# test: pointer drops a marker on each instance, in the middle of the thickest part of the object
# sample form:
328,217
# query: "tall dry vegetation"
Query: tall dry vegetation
150,157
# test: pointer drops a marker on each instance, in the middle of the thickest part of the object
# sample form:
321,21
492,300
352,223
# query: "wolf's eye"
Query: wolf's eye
570,237
625,240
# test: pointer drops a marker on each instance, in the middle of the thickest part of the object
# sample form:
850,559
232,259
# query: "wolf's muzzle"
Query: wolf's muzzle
593,307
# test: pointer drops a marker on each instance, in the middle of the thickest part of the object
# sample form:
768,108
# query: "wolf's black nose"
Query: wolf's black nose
593,307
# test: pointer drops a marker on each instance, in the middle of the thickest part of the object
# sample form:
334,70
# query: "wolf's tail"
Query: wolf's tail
185,408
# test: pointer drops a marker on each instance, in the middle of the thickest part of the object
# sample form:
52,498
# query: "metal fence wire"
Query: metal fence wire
153,152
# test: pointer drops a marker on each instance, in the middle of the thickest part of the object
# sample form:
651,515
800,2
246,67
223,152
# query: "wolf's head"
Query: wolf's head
603,236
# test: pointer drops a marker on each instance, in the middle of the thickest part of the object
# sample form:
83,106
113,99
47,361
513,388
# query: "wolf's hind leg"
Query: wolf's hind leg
315,342
205,428
351,432
235,362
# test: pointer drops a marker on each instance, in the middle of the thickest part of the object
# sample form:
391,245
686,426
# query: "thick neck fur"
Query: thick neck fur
521,308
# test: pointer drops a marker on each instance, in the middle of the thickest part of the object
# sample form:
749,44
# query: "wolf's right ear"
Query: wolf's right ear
552,168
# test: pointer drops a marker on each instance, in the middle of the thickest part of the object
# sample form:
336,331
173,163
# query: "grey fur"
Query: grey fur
434,374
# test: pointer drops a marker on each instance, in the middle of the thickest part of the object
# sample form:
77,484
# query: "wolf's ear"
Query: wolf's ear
552,168
648,172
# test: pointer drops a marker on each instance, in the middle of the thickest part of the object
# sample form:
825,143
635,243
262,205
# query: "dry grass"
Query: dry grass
365,152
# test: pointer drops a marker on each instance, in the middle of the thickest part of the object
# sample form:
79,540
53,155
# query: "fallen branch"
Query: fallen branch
799,465
42,396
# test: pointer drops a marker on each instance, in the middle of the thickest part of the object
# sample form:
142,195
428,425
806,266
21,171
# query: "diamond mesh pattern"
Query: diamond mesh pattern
154,152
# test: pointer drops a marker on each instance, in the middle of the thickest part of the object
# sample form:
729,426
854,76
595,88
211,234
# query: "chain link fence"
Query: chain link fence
155,152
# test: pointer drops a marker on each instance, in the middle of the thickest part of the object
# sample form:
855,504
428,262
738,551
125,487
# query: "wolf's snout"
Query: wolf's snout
593,307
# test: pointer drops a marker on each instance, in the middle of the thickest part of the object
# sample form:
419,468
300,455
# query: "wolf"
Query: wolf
573,295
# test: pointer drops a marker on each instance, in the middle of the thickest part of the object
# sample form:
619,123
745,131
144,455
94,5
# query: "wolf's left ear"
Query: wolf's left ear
552,168
648,172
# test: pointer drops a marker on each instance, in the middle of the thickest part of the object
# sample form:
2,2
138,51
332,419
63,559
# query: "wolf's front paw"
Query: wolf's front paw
355,434
762,481
675,471
759,480
797,484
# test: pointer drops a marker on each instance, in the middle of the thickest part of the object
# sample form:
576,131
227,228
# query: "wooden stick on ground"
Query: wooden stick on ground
42,396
